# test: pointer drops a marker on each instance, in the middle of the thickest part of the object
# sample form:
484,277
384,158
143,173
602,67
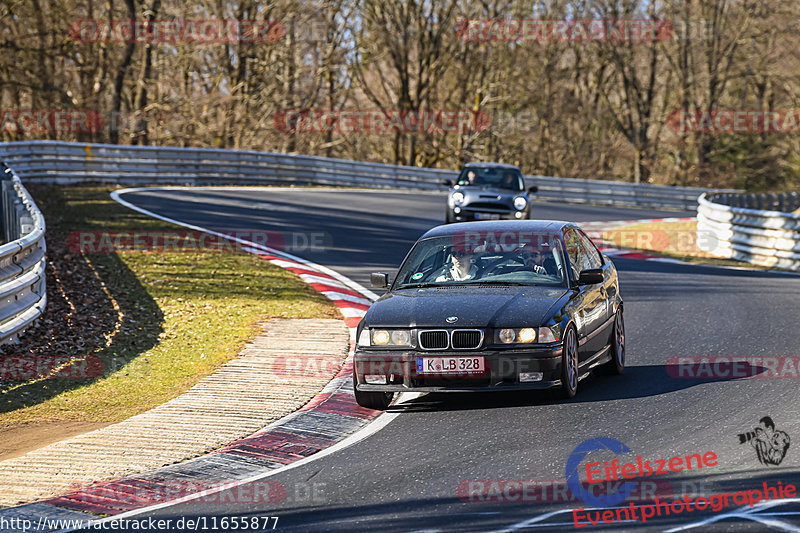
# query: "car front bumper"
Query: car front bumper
503,368
467,214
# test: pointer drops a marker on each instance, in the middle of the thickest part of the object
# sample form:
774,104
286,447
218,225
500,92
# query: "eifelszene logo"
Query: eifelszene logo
617,470
770,444
573,479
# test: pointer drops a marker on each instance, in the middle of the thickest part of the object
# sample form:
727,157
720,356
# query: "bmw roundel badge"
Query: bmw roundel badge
451,319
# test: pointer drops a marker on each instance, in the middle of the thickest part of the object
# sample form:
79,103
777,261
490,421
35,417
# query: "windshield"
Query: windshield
475,258
500,178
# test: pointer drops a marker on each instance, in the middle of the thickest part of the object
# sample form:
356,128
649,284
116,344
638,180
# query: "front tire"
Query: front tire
617,364
448,217
378,401
569,366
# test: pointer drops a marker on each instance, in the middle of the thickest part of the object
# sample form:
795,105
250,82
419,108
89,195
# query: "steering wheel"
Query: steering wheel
498,266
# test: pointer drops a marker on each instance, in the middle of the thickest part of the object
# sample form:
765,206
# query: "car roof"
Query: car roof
497,225
490,165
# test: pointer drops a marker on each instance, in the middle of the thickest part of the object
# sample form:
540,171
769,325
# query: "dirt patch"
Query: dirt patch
21,438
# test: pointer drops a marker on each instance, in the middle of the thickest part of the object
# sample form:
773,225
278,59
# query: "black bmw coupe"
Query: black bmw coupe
491,306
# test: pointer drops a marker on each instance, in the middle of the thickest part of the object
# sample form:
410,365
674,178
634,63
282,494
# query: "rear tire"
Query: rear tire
569,366
616,366
378,401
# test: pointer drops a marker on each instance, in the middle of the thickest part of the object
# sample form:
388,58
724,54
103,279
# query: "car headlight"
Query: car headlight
526,335
385,337
520,202
506,335
541,335
458,198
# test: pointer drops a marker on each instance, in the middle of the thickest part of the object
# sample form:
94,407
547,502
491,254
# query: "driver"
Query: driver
461,267
536,259
469,179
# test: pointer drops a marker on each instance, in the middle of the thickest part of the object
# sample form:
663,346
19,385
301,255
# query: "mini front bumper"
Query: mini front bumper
469,214
503,368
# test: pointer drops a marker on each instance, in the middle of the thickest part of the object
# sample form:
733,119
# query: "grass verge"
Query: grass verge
127,331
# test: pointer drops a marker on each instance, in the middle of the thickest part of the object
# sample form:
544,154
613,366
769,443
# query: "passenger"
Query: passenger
461,267
509,181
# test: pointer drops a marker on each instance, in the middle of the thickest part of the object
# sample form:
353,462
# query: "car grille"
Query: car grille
433,339
459,339
467,339
487,205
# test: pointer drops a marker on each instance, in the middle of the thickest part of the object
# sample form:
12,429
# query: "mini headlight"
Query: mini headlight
527,335
506,336
520,202
458,198
380,337
401,337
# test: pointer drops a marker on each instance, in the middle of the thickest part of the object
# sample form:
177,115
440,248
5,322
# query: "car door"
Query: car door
609,285
592,310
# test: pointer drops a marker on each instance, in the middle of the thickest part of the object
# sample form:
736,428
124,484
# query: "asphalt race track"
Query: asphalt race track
410,475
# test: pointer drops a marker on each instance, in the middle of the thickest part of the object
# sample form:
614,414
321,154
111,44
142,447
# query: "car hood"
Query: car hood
474,306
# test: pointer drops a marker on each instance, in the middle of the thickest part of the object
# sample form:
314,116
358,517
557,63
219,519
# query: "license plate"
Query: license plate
450,365
487,216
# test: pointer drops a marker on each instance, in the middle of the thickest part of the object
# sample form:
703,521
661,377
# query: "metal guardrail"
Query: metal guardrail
22,259
759,233
64,162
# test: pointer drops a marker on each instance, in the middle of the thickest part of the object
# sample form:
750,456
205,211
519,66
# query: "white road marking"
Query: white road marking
749,513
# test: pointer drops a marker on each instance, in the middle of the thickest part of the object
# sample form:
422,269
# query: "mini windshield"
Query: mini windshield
500,178
484,258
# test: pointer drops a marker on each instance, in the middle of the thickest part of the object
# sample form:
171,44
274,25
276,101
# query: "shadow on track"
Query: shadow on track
636,382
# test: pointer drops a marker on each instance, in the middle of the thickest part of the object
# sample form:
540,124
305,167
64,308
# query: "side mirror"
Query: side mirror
533,189
380,280
447,183
591,276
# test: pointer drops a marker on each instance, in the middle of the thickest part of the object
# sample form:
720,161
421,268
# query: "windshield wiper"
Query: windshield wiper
422,285
498,282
